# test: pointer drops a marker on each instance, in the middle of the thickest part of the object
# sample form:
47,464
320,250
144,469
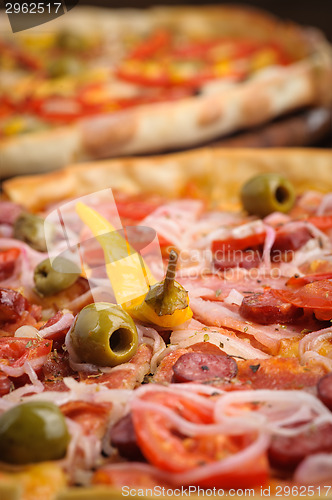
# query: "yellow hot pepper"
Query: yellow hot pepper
164,304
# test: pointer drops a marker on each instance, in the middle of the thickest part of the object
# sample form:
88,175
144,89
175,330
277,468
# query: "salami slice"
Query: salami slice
266,309
286,452
123,438
200,367
324,389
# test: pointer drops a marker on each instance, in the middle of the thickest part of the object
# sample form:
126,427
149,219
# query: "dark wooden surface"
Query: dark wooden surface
307,12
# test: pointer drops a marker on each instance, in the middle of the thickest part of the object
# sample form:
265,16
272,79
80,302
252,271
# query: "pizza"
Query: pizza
218,377
105,83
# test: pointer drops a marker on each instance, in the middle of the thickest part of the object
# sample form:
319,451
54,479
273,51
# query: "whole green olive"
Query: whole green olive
51,278
33,432
64,66
71,41
104,334
31,229
267,193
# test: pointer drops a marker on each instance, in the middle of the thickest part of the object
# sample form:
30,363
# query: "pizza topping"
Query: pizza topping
265,308
57,327
12,305
167,303
286,452
8,259
9,212
104,335
315,297
201,367
30,229
216,314
123,438
54,277
33,432
208,457
324,390
267,193
15,352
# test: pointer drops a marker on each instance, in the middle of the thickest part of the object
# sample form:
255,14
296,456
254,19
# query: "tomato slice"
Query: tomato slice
22,57
315,297
6,107
298,282
322,222
231,244
8,260
15,351
151,46
167,449
135,209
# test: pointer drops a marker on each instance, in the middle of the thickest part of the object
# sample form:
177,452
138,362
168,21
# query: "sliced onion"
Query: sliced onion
268,244
234,297
64,322
315,469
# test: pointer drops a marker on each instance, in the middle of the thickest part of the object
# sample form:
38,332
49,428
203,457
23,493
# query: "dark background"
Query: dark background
307,12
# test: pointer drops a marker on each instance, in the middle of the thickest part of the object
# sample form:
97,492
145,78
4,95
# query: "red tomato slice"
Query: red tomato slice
167,449
315,297
6,108
322,222
8,259
298,282
231,244
21,56
135,209
15,351
149,47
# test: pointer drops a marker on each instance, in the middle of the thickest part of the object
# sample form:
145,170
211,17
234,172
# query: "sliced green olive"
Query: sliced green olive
51,278
104,334
31,229
33,432
267,193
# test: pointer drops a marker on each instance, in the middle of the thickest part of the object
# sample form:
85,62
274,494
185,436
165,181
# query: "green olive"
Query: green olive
51,278
267,193
104,334
71,41
31,229
64,66
33,432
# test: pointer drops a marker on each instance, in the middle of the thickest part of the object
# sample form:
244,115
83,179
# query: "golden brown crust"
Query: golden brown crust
189,122
219,173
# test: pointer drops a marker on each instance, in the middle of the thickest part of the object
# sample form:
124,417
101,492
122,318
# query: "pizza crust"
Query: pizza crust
185,123
218,173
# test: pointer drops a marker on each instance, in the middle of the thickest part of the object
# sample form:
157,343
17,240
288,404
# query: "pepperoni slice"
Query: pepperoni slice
200,367
123,438
286,452
265,308
324,389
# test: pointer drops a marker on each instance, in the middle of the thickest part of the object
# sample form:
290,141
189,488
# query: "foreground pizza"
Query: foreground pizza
226,386
103,83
